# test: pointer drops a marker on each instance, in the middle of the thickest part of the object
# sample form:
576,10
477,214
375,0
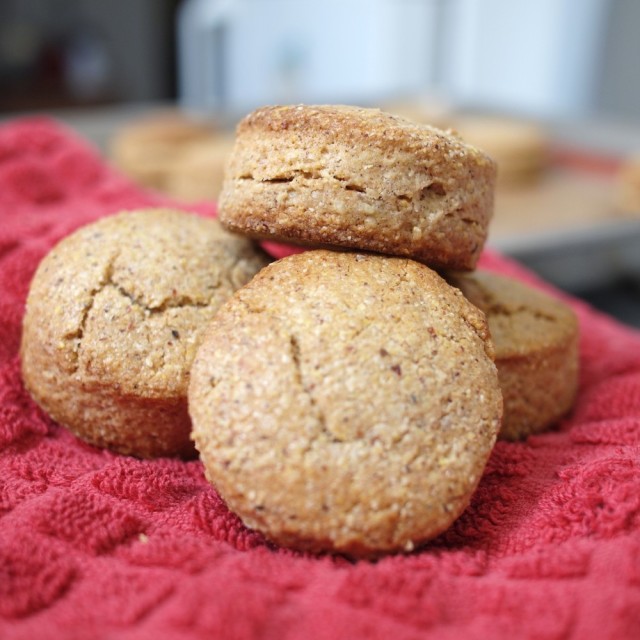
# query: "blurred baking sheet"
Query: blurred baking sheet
565,227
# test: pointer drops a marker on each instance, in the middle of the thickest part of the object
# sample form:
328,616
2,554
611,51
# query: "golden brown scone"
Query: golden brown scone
199,174
423,109
628,186
148,149
536,345
346,402
520,148
114,315
358,178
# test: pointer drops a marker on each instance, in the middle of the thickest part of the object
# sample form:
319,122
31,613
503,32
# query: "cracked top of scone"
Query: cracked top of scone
121,303
521,319
346,402
361,179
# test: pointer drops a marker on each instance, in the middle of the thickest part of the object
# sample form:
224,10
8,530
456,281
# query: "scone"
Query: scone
627,192
199,174
520,148
346,402
536,346
427,109
339,176
114,315
149,149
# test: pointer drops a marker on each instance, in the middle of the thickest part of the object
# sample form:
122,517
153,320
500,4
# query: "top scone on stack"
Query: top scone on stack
347,398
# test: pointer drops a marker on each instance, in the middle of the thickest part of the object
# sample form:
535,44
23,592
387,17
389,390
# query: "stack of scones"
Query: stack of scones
343,399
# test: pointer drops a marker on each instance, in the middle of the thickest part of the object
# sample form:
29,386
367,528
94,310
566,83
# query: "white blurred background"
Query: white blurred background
547,58
543,58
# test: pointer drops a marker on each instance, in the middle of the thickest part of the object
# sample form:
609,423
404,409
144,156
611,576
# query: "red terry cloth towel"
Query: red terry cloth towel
97,545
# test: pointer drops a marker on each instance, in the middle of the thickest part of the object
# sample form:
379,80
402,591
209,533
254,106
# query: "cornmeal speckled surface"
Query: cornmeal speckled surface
361,179
114,315
536,344
329,424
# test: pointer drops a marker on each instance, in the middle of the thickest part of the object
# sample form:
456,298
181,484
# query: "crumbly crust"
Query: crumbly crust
361,179
114,315
536,345
346,402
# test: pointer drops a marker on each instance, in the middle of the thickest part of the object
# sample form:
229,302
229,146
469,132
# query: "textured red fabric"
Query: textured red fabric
96,545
